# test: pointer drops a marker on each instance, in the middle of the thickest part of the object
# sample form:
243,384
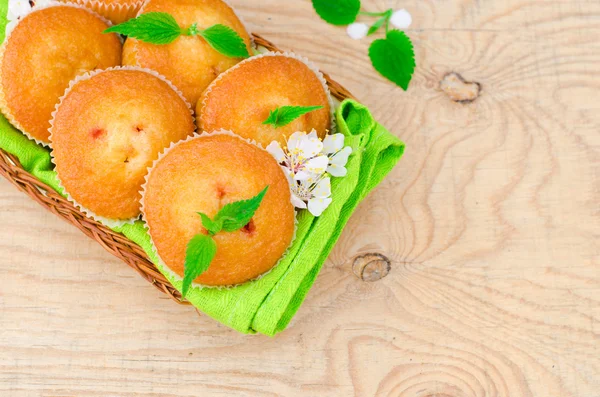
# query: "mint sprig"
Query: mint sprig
236,215
337,12
200,252
202,248
385,19
284,115
225,40
213,227
161,28
153,27
394,57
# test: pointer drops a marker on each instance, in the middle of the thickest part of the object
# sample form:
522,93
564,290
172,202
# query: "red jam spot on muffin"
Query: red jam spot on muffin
97,133
220,192
249,228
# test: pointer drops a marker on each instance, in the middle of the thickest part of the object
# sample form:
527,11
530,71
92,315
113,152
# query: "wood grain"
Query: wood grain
491,224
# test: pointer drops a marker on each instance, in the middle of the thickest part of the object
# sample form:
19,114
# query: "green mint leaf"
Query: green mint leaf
384,19
286,114
225,40
238,214
273,117
213,227
161,28
200,252
394,57
337,12
153,27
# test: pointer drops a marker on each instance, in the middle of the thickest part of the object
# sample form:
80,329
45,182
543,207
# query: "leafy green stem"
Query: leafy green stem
373,14
385,19
160,28
392,56
192,30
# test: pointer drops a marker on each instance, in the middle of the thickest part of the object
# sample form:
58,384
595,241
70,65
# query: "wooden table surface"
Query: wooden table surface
490,222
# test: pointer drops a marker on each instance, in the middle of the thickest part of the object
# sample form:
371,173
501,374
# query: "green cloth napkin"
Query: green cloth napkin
268,304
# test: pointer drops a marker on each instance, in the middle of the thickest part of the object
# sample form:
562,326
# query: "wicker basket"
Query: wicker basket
115,243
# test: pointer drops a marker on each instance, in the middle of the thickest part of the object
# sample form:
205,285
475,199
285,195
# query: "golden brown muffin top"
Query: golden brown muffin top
241,99
203,175
47,49
189,62
108,131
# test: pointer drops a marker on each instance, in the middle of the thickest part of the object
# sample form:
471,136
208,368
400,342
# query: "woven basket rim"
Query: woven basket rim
113,242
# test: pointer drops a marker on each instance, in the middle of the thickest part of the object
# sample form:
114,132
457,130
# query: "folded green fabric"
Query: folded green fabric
268,304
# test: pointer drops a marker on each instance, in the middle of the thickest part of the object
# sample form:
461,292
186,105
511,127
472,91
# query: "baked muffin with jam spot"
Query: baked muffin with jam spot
107,131
202,175
45,51
242,98
189,62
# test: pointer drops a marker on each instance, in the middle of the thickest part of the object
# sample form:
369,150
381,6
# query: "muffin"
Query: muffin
46,50
189,62
203,174
117,11
241,99
107,130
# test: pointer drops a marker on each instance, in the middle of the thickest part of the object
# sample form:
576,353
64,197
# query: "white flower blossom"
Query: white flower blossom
357,30
321,197
314,195
307,163
401,19
17,9
303,156
333,147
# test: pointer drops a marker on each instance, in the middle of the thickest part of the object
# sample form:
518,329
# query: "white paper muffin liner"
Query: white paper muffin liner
112,223
117,13
308,63
4,108
162,265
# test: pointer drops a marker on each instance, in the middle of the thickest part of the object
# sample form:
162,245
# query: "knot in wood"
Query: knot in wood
458,89
371,267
